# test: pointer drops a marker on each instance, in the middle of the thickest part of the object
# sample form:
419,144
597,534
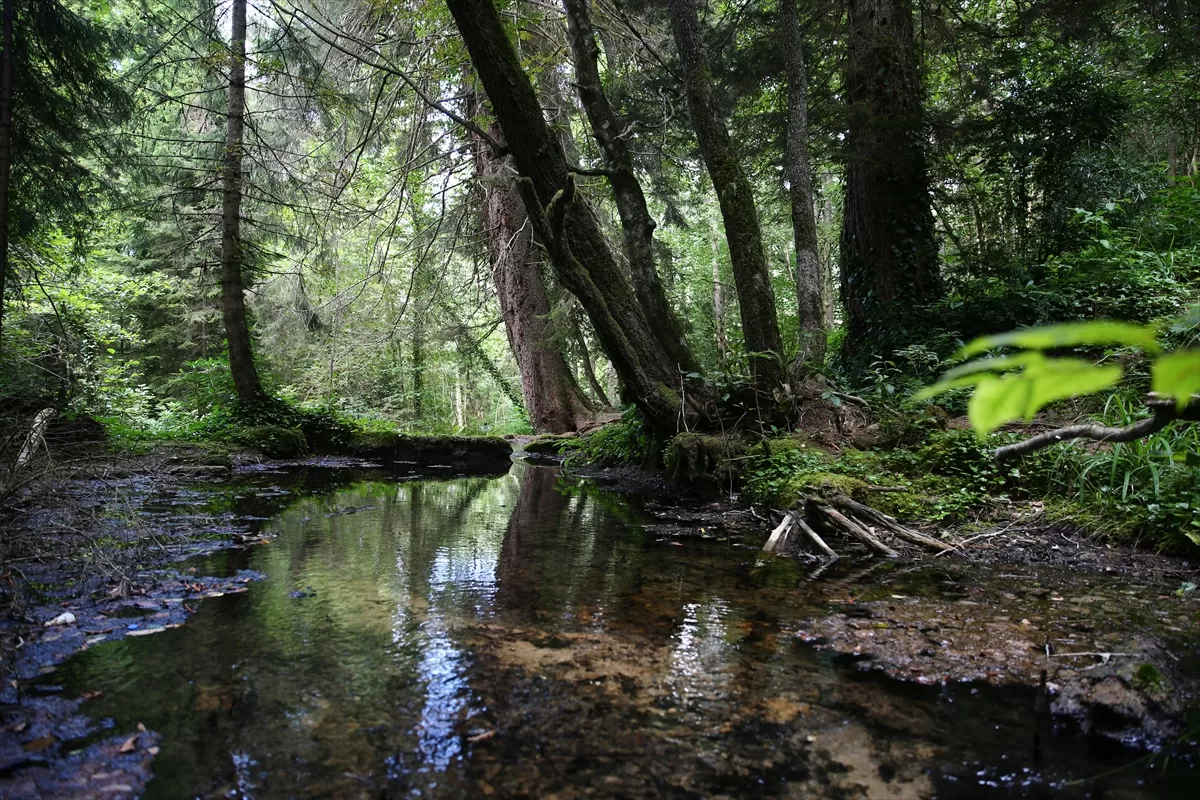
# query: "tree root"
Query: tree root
841,514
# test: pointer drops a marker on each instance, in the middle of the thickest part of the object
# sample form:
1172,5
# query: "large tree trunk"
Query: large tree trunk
889,254
799,178
7,68
760,325
636,223
552,398
233,299
582,259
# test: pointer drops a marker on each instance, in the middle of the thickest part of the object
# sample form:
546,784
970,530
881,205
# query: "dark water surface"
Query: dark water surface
526,636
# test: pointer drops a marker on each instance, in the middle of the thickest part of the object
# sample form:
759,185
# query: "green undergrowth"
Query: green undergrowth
625,442
275,427
1145,492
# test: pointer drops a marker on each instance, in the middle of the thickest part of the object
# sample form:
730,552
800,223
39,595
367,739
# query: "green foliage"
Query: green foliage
623,442
1147,489
1018,386
768,477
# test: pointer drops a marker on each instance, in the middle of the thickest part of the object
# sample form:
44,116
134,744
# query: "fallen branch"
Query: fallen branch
857,530
779,536
1163,413
889,524
817,540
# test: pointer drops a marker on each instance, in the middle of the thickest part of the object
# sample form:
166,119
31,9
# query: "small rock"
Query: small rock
65,618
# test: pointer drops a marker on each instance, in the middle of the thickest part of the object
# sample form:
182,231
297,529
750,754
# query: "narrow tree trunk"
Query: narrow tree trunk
562,220
637,225
589,371
233,300
7,68
799,177
889,253
718,295
756,299
417,372
553,399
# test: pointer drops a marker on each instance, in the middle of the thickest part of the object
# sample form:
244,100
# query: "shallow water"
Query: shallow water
526,636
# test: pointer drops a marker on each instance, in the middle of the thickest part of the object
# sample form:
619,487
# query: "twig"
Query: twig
1164,412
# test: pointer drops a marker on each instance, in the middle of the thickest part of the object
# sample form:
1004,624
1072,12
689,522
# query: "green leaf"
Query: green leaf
1177,375
943,386
995,364
1070,334
995,402
1002,399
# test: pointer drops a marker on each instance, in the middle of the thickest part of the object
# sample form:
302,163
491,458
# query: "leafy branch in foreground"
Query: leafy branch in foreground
1017,386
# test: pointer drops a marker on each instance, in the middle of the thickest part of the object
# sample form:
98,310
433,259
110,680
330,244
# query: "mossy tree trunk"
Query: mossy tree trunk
756,299
888,250
582,258
553,399
609,130
233,298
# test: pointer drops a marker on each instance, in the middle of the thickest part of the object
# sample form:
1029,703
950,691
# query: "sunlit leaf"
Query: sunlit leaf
1071,334
1177,375
1014,396
997,401
999,364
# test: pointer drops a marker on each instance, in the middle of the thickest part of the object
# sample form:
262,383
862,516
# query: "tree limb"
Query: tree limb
1164,412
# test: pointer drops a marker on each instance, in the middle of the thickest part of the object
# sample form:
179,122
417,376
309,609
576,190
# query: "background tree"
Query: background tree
889,252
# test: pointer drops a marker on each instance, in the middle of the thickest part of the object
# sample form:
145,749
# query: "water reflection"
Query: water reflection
520,635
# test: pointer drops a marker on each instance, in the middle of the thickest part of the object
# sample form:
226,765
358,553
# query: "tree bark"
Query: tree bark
718,295
233,299
610,132
7,69
799,177
553,399
888,250
582,259
585,358
756,299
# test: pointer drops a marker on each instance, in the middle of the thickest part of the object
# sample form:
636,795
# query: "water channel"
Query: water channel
529,636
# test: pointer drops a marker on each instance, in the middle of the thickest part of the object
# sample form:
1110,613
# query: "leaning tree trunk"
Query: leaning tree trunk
760,325
889,254
233,299
582,259
636,223
799,177
553,399
7,68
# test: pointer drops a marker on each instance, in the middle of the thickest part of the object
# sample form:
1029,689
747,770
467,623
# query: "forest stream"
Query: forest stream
536,635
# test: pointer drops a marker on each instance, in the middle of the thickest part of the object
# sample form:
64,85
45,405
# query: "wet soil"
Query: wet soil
373,634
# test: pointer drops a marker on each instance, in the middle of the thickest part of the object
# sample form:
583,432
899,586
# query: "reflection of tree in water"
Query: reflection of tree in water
564,556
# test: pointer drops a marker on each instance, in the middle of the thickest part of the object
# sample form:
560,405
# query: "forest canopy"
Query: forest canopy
484,216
